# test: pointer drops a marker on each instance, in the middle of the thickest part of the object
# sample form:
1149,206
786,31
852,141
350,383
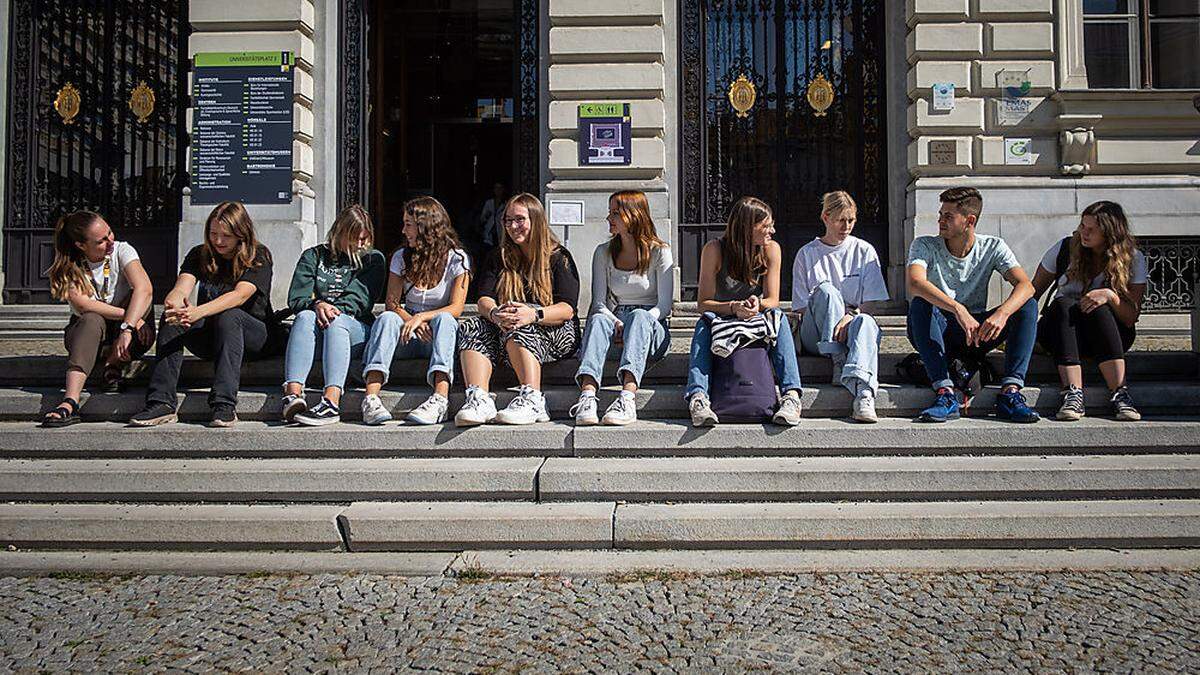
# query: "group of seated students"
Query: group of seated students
529,290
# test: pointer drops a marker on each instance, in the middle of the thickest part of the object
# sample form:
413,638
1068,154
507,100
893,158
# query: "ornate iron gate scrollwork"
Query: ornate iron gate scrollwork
1172,269
782,149
105,159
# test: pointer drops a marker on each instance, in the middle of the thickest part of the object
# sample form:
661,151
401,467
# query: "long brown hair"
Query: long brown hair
518,272
744,260
1117,260
234,216
69,270
342,239
634,211
425,259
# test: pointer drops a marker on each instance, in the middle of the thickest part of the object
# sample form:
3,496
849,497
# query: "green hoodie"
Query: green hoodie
320,275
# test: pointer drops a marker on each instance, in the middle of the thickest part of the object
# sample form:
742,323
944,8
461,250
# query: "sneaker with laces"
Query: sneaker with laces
432,411
863,409
223,417
701,410
322,414
293,404
153,415
621,411
374,412
1122,405
944,409
1071,409
1012,406
479,408
788,412
527,407
584,411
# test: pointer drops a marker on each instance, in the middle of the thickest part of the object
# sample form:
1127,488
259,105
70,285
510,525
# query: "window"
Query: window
1142,44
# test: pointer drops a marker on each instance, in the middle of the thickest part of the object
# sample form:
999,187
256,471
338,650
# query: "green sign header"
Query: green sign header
602,109
219,59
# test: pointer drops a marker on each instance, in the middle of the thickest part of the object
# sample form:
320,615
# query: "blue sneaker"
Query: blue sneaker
944,409
1012,406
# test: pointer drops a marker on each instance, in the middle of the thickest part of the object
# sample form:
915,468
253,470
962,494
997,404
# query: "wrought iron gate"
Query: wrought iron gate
782,100
97,90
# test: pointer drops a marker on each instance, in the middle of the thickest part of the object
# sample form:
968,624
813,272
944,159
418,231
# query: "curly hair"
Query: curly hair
69,271
634,211
744,260
426,258
1116,262
235,217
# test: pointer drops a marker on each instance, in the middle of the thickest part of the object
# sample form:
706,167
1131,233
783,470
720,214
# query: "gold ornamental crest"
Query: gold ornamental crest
742,95
820,94
67,103
141,102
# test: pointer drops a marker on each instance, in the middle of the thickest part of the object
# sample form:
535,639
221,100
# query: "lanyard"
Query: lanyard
102,293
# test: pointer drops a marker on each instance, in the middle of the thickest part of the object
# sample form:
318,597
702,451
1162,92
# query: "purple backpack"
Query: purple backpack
742,386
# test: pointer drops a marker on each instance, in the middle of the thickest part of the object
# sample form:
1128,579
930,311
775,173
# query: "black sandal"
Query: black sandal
68,414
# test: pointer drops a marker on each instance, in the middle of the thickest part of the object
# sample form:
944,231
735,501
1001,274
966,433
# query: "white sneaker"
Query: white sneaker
788,412
374,412
622,411
432,411
839,364
864,406
479,408
585,411
528,407
701,410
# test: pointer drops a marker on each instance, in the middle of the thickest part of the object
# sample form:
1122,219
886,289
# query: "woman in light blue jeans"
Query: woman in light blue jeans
632,290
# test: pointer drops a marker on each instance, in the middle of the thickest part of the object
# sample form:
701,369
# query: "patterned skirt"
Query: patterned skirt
546,343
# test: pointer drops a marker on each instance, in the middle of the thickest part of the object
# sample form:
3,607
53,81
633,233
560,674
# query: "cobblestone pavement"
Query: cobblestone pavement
638,622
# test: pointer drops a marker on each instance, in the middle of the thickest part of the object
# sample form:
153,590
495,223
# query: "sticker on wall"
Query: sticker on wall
943,96
1018,151
1013,106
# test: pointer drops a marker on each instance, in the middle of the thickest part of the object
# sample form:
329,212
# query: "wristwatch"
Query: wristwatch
541,314
126,327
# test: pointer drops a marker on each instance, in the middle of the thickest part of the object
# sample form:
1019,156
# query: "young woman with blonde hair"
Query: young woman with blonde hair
426,293
233,319
835,278
633,287
333,293
528,290
111,301
1100,279
739,277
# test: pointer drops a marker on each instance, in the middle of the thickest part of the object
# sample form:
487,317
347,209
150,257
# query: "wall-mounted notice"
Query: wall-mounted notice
1013,107
566,212
604,134
943,96
242,127
1018,151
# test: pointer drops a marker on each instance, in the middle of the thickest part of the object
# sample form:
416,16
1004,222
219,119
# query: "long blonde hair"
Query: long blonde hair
1117,260
519,273
634,211
744,260
69,270
342,239
237,219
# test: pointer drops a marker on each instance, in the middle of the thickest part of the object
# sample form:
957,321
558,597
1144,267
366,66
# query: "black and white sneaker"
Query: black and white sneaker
323,413
293,404
1122,405
1071,409
153,415
223,416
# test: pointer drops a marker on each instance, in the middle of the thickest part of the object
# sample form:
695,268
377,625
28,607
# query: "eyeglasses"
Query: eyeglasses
520,220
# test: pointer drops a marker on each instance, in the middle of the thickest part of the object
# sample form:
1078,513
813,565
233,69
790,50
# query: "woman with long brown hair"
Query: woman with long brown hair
426,292
633,287
1100,279
332,294
739,277
527,296
232,319
111,301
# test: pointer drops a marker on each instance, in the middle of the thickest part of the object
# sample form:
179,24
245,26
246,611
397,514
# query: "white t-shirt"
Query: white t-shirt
117,289
1074,289
425,299
852,267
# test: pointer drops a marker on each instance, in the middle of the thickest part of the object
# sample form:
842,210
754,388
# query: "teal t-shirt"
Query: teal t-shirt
963,279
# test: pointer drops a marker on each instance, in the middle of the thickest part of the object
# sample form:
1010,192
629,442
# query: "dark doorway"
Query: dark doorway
93,151
781,148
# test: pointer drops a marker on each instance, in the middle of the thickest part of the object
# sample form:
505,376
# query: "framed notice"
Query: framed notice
605,136
1018,151
242,127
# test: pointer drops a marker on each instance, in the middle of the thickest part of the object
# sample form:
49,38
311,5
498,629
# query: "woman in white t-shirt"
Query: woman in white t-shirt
1100,279
835,278
426,292
111,302
633,287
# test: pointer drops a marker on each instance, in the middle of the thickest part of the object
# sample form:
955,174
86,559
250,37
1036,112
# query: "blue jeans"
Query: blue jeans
937,337
384,345
782,353
341,340
644,338
861,350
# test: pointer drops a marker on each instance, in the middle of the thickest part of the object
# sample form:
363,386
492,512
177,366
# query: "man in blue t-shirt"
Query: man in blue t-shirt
947,280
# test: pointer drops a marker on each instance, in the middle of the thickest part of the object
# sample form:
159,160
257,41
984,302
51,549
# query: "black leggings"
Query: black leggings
1068,334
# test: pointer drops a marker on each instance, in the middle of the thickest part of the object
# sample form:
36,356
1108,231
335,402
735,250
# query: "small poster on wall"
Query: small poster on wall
605,134
1018,151
943,96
